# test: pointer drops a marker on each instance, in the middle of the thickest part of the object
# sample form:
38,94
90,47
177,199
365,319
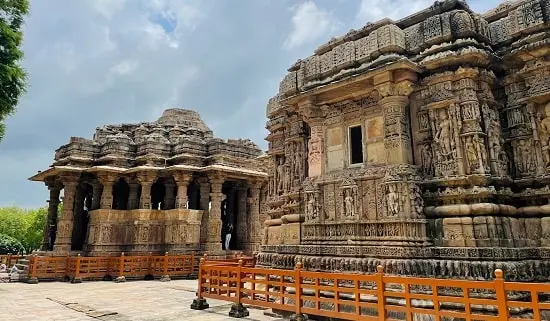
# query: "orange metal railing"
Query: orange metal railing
376,297
10,259
81,267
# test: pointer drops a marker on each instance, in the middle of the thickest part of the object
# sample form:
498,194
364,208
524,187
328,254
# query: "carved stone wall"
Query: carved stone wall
454,109
142,231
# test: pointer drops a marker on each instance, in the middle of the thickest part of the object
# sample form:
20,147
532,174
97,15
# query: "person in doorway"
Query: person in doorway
228,236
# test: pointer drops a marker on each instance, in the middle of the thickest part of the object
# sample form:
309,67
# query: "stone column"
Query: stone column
107,180
214,224
204,190
96,195
397,141
133,196
169,199
241,230
255,223
66,220
146,180
53,204
182,181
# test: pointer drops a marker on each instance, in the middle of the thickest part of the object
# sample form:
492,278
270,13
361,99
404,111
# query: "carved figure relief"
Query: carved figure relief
443,136
544,132
349,201
393,200
471,154
426,159
280,175
524,156
418,200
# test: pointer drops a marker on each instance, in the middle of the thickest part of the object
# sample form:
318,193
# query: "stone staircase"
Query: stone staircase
22,266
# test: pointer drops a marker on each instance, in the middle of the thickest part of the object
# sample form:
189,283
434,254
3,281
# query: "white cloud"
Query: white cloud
310,24
374,10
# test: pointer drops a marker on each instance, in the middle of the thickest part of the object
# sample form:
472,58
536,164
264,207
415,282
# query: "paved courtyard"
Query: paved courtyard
109,301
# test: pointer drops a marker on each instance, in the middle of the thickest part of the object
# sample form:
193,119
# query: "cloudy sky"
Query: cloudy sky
95,62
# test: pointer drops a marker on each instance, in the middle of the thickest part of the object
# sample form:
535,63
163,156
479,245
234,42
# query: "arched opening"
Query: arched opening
121,192
157,195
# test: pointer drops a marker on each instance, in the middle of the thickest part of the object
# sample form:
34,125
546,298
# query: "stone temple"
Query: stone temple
421,144
163,186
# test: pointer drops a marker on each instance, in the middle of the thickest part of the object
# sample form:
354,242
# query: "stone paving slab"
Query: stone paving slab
109,301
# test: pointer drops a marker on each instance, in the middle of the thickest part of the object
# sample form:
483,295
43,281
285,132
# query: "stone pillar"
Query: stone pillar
96,195
241,230
255,224
146,180
169,199
182,181
397,141
214,224
66,220
107,180
53,204
204,188
133,196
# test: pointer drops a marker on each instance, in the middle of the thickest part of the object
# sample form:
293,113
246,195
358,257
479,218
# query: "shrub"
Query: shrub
9,244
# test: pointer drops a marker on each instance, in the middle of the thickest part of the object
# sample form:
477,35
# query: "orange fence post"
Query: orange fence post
165,277
121,277
150,266
380,288
238,310
33,277
8,260
298,293
501,295
76,277
199,303
192,264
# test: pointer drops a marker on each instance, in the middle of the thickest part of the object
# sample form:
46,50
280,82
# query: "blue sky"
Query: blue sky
96,62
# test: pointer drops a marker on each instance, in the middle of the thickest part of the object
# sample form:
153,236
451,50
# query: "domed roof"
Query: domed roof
184,118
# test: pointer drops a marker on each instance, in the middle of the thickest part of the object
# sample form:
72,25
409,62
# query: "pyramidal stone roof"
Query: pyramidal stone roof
178,137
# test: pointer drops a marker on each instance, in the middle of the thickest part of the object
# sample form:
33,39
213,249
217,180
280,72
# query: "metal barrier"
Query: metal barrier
376,297
77,268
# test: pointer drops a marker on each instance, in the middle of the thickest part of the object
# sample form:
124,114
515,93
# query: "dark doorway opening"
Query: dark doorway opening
157,195
121,192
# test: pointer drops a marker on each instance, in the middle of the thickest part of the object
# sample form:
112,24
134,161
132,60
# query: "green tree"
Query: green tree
9,244
13,78
26,226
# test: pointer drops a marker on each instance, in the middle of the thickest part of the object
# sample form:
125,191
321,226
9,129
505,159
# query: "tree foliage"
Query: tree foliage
26,226
9,244
13,79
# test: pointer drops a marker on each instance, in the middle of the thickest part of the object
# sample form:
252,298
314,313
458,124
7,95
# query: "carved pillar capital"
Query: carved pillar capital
182,178
146,177
216,183
395,89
